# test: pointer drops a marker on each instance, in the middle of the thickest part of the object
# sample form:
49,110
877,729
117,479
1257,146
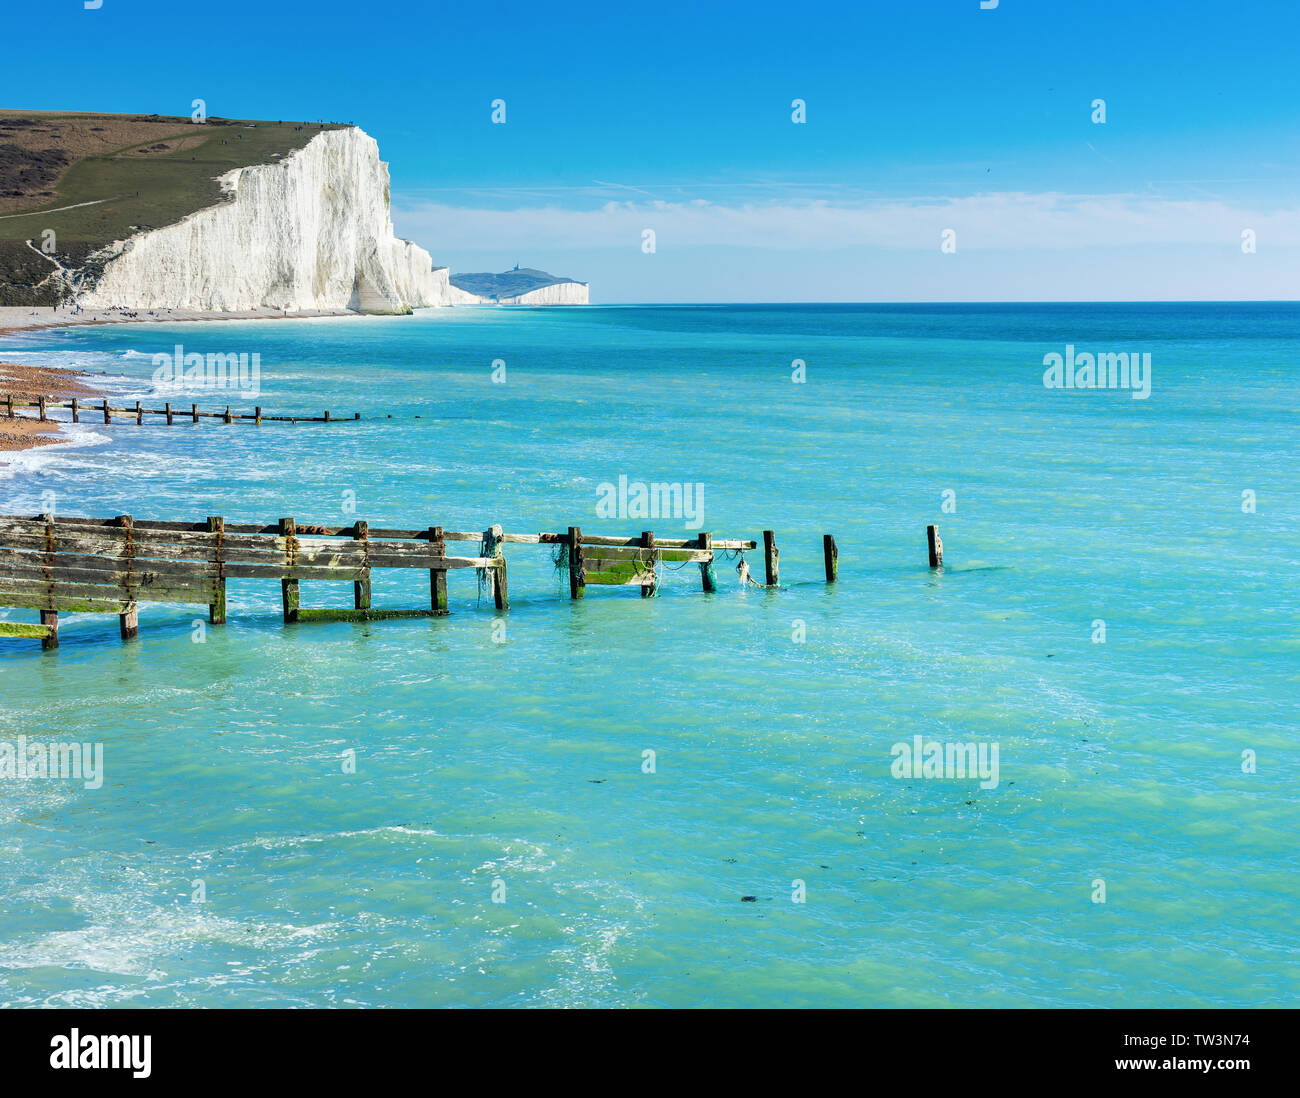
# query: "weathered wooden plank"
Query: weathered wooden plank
296,572
67,603
23,629
832,556
351,558
664,543
144,548
110,576
105,591
25,559
640,552
325,614
383,560
618,579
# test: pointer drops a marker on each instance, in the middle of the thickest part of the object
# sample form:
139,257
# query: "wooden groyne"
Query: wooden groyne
111,565
169,415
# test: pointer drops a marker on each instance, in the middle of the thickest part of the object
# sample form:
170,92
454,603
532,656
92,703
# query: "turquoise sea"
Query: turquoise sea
510,766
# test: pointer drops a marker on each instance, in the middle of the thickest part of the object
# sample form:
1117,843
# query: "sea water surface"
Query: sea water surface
231,859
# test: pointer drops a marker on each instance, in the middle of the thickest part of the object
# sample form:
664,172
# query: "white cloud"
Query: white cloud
1006,221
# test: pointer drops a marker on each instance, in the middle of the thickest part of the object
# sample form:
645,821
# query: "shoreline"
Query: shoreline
25,431
28,318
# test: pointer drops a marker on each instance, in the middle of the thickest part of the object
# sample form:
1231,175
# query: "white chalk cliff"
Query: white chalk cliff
310,232
558,293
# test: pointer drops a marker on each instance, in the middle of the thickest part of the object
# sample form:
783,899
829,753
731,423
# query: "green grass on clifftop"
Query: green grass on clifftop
164,169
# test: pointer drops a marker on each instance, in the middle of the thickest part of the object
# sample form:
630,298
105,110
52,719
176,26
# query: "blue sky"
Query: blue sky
922,116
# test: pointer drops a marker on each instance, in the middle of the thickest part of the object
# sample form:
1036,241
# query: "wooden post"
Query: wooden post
708,577
327,415
437,576
936,546
648,540
360,588
357,415
9,400
129,619
40,404
577,584
76,414
139,414
168,409
771,557
289,587
194,412
50,619
228,416
217,609
496,575
832,558
257,416
107,416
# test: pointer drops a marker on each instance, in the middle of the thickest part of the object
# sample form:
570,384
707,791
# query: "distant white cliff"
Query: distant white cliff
310,232
558,293
526,286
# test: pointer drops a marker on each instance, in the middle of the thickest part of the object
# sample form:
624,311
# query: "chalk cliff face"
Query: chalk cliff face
521,286
310,232
560,293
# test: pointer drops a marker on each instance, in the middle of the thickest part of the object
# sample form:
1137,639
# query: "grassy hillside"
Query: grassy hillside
119,174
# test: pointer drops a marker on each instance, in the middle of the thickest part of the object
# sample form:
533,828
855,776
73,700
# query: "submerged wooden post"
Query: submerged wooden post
936,546
437,576
139,414
50,619
577,585
168,409
194,412
832,558
771,557
648,540
492,541
217,608
327,415
289,587
129,619
257,416
76,415
228,418
360,588
108,418
708,577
